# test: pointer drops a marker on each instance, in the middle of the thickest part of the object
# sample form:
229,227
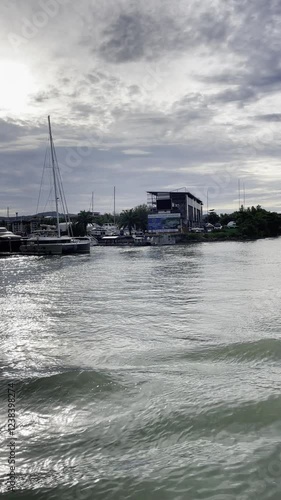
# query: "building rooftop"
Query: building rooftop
176,193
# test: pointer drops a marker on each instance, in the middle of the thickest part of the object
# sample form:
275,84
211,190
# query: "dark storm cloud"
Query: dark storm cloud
126,39
135,35
255,38
251,48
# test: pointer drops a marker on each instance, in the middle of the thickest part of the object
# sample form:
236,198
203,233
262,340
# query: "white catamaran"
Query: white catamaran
53,243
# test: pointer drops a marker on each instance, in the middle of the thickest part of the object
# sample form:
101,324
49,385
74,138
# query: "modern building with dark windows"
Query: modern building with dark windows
172,211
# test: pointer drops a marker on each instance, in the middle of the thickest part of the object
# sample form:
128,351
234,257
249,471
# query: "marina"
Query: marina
51,242
140,250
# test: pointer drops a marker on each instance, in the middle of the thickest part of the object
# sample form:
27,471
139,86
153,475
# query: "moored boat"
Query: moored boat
9,242
53,243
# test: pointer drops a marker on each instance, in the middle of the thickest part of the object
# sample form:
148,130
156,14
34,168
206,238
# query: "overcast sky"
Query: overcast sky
143,95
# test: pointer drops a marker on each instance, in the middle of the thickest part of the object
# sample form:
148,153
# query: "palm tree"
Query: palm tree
127,219
83,219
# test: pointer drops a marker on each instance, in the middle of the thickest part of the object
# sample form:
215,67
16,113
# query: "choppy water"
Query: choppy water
147,373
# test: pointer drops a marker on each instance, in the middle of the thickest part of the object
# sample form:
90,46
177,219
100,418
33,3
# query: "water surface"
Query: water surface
144,373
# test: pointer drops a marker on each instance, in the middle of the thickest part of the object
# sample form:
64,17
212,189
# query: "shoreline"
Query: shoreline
207,238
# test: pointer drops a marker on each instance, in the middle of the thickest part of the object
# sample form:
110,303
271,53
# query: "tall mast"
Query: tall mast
114,205
54,176
239,194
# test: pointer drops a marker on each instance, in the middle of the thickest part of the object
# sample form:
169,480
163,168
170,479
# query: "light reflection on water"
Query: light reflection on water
145,373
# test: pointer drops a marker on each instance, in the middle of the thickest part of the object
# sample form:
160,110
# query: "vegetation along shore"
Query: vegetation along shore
251,223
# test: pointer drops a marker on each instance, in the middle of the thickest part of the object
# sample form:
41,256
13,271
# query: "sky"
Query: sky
156,95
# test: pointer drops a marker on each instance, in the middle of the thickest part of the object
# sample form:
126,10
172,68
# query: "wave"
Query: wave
222,423
260,350
66,384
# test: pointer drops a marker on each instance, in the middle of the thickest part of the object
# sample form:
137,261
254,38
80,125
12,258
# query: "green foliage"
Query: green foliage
226,218
83,219
134,218
127,219
254,222
212,218
104,219
223,235
141,217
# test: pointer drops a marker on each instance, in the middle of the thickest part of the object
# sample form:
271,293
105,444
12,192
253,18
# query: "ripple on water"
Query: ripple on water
149,373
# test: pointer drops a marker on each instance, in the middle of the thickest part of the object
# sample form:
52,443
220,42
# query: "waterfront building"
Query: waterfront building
173,211
24,225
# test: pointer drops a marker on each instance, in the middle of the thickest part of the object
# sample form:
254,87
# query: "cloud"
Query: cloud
273,117
135,152
10,131
51,93
144,95
136,35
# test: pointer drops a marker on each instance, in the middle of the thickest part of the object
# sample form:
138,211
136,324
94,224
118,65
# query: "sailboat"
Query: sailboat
55,243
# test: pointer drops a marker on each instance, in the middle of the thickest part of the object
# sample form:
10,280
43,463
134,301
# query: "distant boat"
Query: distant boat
110,229
9,242
51,242
98,232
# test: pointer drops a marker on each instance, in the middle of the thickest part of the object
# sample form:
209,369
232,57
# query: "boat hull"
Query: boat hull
41,249
10,245
83,245
57,247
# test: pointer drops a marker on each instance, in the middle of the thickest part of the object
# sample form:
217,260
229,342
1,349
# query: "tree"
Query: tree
103,219
135,217
83,219
255,222
127,219
226,218
212,218
141,217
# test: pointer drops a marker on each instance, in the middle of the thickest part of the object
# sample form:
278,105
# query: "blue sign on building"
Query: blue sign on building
164,223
